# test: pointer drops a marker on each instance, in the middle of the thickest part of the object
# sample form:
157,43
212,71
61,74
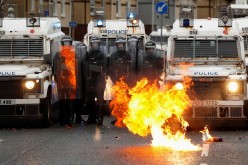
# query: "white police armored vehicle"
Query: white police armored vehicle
239,11
109,30
161,42
212,53
27,48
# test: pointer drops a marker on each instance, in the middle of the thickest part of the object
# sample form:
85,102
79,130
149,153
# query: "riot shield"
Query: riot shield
140,59
64,62
133,50
80,53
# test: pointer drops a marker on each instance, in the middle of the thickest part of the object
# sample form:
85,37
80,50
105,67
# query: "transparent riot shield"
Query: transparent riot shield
133,50
65,73
140,60
80,53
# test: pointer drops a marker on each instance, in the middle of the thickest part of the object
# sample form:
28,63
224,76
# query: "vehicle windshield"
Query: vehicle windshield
159,38
206,48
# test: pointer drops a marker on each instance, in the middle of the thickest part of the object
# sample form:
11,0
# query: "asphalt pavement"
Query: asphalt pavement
109,145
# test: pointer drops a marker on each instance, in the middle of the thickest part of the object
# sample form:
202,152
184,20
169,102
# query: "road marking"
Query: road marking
205,149
98,135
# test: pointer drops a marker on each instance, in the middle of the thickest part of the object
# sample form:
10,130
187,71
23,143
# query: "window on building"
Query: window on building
103,3
128,4
63,13
55,12
32,5
118,8
92,7
40,7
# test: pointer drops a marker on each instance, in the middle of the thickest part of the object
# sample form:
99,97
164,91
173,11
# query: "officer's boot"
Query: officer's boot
92,112
78,110
99,118
62,112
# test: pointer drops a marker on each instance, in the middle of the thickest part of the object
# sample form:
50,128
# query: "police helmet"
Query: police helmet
120,40
120,43
150,47
66,40
150,44
94,39
95,43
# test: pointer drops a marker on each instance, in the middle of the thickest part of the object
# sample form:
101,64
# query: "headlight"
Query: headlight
29,84
235,87
232,86
179,86
32,85
134,21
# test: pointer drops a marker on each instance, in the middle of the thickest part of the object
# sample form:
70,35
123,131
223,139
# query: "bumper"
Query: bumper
216,109
20,108
217,123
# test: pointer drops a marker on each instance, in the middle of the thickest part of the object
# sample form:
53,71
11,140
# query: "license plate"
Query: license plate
205,103
7,102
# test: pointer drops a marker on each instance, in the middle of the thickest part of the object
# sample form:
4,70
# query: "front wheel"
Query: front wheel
46,109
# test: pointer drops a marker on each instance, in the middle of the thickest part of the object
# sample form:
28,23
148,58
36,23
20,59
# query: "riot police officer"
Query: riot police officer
121,64
95,63
64,75
151,64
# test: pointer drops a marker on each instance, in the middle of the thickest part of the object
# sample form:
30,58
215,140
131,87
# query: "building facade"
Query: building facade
75,14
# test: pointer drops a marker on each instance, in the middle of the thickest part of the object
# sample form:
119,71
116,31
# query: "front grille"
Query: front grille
19,110
207,91
32,110
217,112
7,110
11,89
236,112
21,47
206,112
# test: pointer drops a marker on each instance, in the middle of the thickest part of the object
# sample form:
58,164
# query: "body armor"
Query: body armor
151,65
121,65
66,76
95,64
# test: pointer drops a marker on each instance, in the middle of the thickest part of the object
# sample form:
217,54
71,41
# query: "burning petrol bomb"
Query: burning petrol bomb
146,109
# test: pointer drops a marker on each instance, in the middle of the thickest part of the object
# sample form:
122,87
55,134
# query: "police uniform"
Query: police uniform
95,63
66,85
121,65
151,65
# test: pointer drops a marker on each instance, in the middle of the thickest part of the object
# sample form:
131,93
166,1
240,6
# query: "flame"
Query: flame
146,109
108,92
205,134
68,54
207,138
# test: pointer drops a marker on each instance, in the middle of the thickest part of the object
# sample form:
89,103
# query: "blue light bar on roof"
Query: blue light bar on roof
99,22
131,15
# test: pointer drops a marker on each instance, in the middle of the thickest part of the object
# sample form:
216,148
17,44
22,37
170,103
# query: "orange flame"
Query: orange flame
145,109
68,54
207,138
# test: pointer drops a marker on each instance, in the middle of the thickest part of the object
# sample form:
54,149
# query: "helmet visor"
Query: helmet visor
95,45
120,46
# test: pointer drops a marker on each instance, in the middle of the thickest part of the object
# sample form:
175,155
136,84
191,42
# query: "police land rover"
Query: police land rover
109,30
27,47
212,53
